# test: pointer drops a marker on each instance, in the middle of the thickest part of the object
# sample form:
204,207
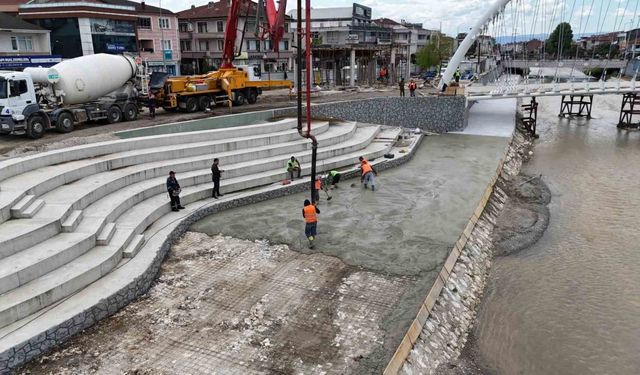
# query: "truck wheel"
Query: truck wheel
64,123
114,114
191,105
35,127
252,97
130,112
204,102
239,98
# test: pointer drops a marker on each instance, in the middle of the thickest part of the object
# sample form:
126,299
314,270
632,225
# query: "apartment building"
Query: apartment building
23,44
202,40
346,36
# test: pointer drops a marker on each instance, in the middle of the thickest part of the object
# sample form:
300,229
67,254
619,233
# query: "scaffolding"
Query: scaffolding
530,116
630,107
569,103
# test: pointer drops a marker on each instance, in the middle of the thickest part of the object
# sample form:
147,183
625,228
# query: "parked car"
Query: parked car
467,75
431,74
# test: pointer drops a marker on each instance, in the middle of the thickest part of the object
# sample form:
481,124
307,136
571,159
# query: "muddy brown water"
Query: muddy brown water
570,304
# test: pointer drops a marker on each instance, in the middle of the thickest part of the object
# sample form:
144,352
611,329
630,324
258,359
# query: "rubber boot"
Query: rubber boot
311,244
373,187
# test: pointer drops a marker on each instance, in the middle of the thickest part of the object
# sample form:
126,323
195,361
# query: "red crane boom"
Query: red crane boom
274,27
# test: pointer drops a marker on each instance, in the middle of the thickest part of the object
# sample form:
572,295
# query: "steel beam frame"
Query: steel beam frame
630,107
569,102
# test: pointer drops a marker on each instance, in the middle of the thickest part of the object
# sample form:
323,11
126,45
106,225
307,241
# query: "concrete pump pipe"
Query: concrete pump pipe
87,78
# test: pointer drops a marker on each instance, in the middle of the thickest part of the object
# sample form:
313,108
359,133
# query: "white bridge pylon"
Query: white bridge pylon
468,41
512,86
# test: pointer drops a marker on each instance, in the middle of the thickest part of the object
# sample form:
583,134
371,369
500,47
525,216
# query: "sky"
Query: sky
453,16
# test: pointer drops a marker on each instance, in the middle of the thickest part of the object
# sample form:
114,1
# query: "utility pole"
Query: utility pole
164,62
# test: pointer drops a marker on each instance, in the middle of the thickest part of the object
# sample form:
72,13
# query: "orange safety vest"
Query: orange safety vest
310,214
366,168
318,184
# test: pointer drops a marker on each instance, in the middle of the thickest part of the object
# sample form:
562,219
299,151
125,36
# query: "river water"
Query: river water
570,304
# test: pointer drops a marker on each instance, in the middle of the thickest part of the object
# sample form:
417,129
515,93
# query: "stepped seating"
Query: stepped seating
91,210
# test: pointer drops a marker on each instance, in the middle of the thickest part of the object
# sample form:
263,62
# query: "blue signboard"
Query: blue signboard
115,47
25,61
168,55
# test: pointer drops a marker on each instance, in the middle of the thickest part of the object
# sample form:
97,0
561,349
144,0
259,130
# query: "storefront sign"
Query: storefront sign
16,62
115,47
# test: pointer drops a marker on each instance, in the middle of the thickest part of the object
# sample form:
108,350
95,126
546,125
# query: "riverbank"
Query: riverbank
565,301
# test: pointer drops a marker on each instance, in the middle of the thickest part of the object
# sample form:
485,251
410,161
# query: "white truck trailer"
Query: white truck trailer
87,88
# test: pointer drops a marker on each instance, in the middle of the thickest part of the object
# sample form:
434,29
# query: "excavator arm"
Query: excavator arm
275,25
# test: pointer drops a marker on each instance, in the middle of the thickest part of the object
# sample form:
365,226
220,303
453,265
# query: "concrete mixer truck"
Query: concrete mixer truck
87,88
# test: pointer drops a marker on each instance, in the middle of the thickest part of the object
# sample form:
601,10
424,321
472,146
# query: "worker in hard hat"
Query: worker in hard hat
309,213
317,185
293,165
367,174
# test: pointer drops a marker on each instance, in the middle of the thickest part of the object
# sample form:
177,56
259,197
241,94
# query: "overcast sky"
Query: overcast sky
459,15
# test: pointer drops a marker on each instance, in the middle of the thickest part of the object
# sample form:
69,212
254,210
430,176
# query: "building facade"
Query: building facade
201,31
346,36
85,27
157,38
23,44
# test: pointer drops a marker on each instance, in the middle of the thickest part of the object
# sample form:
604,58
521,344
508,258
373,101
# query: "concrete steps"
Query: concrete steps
40,173
98,206
77,195
63,281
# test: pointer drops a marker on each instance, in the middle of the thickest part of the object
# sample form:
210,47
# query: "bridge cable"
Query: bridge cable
615,28
581,31
598,30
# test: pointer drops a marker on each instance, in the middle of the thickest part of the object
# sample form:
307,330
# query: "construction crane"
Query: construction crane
273,29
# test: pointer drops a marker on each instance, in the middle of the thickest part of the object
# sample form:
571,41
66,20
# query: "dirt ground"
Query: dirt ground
96,132
269,310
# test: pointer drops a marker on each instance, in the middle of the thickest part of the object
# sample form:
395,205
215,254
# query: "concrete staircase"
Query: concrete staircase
71,217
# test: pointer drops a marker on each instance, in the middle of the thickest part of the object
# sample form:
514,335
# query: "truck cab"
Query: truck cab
19,105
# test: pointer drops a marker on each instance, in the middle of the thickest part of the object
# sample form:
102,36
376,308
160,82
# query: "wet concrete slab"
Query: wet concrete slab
406,227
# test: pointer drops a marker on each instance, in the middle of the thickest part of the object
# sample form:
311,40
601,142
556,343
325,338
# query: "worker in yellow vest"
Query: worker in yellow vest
309,213
367,174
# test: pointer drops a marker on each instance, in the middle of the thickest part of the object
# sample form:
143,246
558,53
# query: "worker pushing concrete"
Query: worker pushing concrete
309,213
368,174
332,179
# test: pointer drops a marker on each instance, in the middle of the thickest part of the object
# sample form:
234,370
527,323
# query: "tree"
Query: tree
433,53
560,40
607,51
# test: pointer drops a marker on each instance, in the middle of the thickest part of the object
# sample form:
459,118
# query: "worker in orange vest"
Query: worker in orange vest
309,213
316,189
367,174
412,88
